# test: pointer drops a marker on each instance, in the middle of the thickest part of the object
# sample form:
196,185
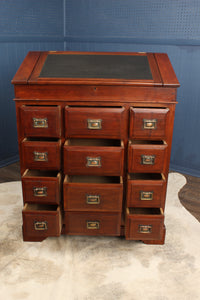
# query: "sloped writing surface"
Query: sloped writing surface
96,66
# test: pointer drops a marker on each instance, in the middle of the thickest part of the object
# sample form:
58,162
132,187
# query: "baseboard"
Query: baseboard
8,161
185,170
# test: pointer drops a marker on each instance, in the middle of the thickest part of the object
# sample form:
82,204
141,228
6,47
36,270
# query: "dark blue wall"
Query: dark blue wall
107,25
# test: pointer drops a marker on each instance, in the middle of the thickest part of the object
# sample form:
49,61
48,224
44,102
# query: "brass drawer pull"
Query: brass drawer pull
94,124
40,156
146,195
40,225
148,159
40,123
92,199
40,191
149,124
145,228
93,224
93,161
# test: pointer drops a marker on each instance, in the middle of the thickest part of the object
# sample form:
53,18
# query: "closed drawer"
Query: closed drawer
94,122
41,121
97,157
148,123
41,187
77,223
41,155
93,193
41,221
144,156
144,224
145,190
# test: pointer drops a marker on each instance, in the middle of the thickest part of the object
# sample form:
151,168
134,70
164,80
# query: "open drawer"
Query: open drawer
146,156
93,193
41,186
41,221
144,223
93,157
146,190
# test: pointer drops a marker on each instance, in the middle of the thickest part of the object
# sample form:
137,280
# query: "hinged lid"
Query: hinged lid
99,68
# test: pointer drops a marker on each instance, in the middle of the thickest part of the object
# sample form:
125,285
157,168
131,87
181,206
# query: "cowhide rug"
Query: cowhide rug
93,268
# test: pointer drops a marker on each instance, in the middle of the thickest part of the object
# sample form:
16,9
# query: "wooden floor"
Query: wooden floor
189,195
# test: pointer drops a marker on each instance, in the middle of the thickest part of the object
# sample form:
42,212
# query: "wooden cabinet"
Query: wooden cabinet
95,132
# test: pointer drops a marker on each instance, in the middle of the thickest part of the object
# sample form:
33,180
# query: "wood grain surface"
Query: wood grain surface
188,195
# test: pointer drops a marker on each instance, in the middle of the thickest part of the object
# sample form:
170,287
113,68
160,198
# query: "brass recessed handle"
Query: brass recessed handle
94,123
148,159
145,228
40,191
93,199
149,124
93,224
93,161
43,225
40,156
40,123
146,195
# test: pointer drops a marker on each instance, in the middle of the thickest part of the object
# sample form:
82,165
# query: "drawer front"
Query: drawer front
41,223
41,189
145,193
92,197
148,123
93,160
95,122
41,121
41,155
144,158
144,228
106,224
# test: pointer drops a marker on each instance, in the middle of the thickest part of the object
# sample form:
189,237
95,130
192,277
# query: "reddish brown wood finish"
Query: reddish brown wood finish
76,223
136,220
110,160
81,121
49,150
138,192
26,68
99,195
168,75
140,152
155,118
40,221
109,95
41,188
121,105
41,121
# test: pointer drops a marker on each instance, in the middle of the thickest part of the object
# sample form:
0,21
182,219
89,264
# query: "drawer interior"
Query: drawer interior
94,142
38,173
144,211
94,179
41,139
40,207
145,142
146,176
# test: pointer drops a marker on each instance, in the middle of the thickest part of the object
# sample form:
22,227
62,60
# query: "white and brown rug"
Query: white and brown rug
91,268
